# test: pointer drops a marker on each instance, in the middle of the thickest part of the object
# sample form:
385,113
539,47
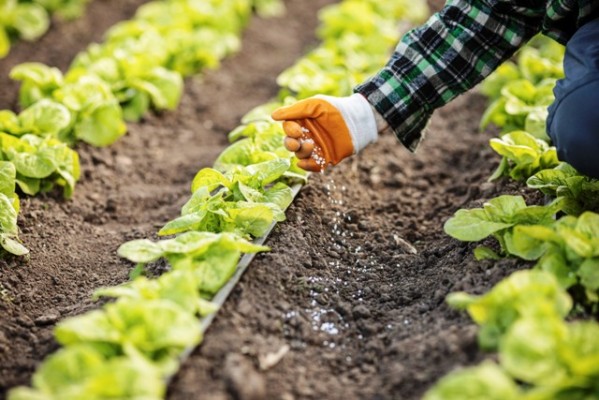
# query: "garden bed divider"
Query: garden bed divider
222,295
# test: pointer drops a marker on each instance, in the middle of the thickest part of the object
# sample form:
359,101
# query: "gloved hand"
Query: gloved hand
324,130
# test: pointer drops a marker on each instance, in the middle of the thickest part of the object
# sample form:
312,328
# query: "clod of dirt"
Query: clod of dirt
242,379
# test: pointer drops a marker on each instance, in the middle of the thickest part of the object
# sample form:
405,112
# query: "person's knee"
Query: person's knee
573,126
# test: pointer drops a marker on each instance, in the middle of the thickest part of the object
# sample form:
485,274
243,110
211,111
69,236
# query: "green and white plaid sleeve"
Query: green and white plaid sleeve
451,53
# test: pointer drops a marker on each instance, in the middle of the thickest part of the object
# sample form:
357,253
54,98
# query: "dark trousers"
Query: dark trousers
573,122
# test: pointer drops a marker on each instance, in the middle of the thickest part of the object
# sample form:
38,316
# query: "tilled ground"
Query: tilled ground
353,291
131,188
350,302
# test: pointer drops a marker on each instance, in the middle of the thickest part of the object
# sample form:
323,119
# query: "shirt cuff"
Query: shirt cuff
407,119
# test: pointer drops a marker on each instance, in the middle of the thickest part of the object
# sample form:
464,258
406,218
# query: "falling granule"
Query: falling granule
317,153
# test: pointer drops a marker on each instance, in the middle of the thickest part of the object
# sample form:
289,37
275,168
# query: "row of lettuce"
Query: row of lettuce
30,19
140,66
539,321
130,346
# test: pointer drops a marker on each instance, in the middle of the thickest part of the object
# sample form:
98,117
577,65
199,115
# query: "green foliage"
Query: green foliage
357,37
525,294
244,203
505,73
182,287
540,355
540,359
85,371
259,139
67,9
578,192
269,8
28,21
497,217
523,155
132,63
38,81
211,258
9,209
570,251
157,330
484,382
541,59
522,91
518,99
40,163
561,362
138,67
95,115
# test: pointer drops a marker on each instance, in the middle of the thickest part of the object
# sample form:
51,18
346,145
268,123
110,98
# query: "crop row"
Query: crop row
523,318
139,67
30,19
136,341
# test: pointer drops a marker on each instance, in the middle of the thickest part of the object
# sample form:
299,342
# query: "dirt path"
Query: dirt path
130,188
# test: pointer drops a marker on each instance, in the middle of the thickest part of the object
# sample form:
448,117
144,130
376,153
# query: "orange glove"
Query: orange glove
324,130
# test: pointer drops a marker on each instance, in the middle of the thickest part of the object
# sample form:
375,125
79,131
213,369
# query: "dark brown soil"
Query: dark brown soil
341,308
131,188
363,317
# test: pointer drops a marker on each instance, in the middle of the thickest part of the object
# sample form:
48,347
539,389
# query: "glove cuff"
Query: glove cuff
358,116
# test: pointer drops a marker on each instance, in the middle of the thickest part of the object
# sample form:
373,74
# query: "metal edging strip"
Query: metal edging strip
222,295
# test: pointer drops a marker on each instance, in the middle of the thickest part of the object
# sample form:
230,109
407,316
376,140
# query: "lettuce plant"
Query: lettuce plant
244,201
211,258
38,81
542,58
521,91
196,37
570,251
131,63
505,73
9,210
40,163
157,330
539,359
179,286
497,218
28,21
577,192
540,355
487,381
96,116
560,361
519,105
43,118
524,294
67,9
523,155
85,371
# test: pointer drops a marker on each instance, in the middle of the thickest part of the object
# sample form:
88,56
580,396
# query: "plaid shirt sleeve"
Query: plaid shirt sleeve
452,52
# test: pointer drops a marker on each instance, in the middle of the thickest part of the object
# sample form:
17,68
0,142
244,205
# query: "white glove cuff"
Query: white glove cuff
358,116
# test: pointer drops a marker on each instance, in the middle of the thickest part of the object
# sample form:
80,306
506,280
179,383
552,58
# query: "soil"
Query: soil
349,303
